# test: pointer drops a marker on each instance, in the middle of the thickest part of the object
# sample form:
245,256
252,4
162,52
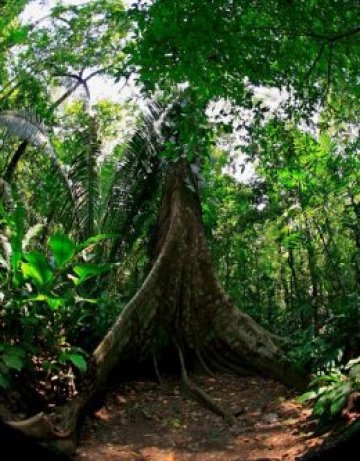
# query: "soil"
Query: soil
142,421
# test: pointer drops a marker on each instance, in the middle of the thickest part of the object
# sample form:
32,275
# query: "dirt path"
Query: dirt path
141,421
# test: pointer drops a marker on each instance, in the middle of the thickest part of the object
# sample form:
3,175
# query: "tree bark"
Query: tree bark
182,307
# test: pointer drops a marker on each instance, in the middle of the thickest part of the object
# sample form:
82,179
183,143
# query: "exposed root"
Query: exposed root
203,363
198,394
156,369
228,366
215,364
225,359
39,427
278,340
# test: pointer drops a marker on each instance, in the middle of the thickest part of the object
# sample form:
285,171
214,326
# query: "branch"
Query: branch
81,81
65,74
309,34
316,60
9,171
341,35
329,71
11,82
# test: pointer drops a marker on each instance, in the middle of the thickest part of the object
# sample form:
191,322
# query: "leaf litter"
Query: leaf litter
142,421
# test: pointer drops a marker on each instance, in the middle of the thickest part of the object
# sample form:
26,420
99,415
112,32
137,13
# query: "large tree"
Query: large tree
181,309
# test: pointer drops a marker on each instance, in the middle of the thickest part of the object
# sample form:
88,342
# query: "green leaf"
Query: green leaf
17,234
14,350
54,303
4,381
37,268
307,396
15,258
13,361
95,239
326,379
320,407
77,360
63,248
86,271
338,404
19,35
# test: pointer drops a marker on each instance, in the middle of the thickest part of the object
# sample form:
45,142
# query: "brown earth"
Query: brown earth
142,421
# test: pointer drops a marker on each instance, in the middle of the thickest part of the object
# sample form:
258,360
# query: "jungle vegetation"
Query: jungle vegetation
132,229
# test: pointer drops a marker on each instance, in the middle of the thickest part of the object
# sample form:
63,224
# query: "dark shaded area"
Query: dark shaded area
346,447
16,445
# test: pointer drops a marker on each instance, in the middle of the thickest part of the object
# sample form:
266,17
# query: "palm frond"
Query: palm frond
31,234
84,174
27,127
135,182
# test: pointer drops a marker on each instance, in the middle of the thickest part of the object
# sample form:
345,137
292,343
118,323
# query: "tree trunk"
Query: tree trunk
182,307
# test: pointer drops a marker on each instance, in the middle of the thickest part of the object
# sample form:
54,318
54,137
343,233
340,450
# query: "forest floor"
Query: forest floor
142,421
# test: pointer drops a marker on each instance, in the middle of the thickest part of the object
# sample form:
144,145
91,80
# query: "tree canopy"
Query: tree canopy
310,48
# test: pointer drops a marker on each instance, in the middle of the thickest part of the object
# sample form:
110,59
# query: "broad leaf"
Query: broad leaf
307,396
95,239
13,361
63,248
338,404
86,271
53,303
77,360
4,381
320,406
37,268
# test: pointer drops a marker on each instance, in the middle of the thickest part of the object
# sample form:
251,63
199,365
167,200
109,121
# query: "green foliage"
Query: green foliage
330,392
11,358
41,296
286,243
62,248
11,32
215,48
